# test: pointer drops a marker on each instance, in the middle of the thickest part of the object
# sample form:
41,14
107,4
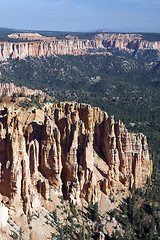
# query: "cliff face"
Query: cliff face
74,149
134,44
46,46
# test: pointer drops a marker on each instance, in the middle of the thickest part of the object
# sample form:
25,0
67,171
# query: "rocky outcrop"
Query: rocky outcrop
77,150
7,89
71,45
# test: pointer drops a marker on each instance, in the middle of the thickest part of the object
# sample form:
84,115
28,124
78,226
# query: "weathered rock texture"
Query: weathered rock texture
46,46
4,216
7,89
74,149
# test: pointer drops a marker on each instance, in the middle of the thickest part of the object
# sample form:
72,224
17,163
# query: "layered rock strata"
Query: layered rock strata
72,45
11,50
135,44
77,150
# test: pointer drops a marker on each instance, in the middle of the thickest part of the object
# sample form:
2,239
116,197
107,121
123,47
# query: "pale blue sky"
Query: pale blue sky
81,15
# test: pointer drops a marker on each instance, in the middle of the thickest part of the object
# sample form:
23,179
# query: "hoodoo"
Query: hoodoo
75,149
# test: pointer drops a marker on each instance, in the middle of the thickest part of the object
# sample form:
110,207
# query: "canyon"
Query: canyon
34,44
64,150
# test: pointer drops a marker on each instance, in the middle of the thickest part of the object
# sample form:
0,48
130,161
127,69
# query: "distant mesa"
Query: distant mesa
30,36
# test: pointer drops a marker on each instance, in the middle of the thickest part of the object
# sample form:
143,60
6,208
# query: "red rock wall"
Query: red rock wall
75,149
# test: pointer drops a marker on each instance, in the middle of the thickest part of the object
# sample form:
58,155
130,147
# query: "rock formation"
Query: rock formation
11,50
47,46
7,89
77,150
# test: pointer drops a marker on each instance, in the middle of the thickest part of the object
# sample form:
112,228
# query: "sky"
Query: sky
81,15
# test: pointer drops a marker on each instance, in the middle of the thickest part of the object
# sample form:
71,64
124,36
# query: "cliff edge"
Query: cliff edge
36,45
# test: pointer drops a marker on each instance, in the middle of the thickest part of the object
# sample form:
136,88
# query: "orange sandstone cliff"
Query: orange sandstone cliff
71,45
74,149
11,50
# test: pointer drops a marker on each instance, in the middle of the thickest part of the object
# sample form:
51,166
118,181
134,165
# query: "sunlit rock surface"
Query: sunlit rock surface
75,149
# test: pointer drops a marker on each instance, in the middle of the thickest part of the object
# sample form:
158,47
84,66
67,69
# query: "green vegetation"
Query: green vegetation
85,224
126,84
27,102
139,214
14,235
